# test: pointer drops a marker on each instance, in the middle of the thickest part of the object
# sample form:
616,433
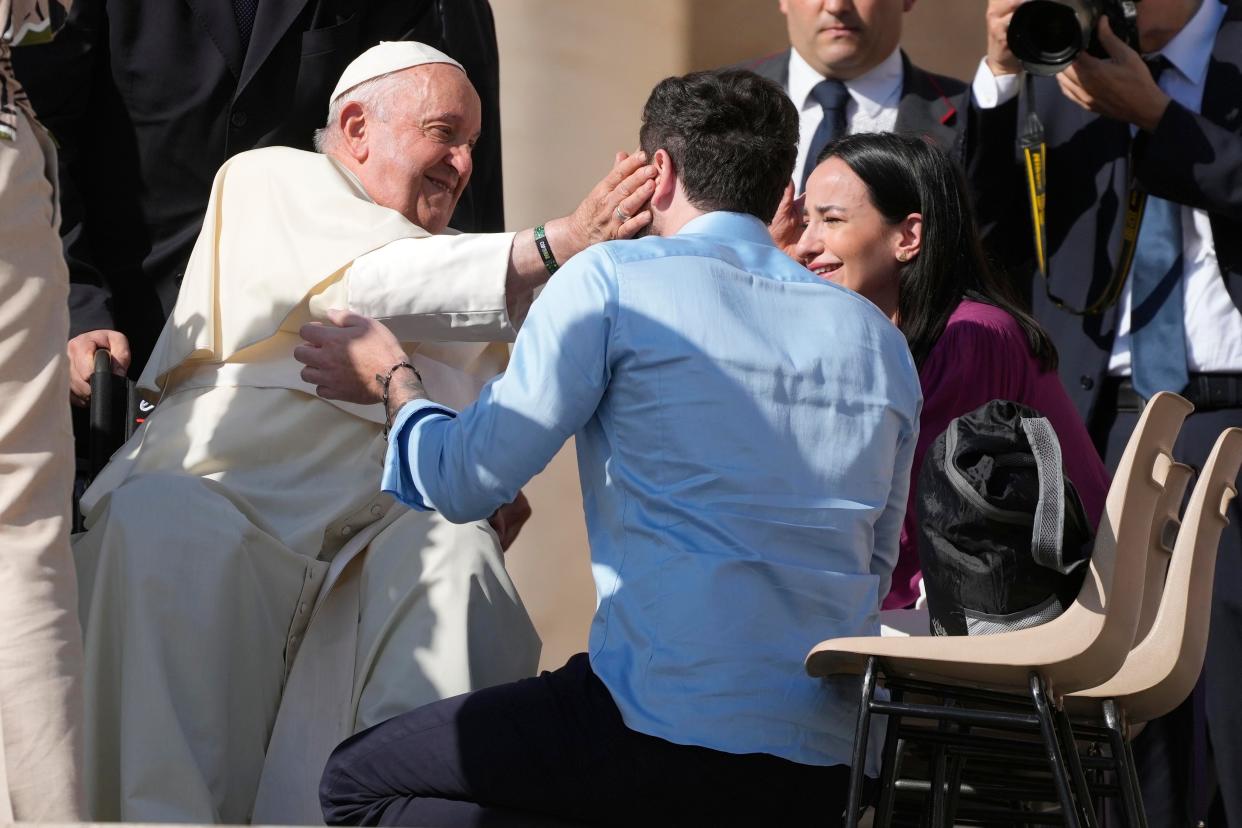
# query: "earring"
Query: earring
903,256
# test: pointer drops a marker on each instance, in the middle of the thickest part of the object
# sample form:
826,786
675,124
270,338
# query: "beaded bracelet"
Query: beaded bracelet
545,250
385,379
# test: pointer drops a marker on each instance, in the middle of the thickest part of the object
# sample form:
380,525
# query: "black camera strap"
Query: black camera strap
1034,151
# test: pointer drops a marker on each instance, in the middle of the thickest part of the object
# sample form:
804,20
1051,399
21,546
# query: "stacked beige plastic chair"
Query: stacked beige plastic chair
1095,720
1081,649
1162,668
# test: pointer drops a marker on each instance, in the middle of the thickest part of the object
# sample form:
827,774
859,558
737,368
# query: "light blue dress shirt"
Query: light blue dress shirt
744,435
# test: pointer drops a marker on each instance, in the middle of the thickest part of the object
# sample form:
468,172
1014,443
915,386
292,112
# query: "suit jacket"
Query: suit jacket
1191,159
148,98
931,105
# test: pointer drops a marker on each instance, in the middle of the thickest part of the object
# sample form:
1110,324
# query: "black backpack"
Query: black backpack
1003,539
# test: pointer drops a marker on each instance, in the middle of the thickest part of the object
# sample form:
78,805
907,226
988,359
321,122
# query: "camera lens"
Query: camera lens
1059,35
1046,35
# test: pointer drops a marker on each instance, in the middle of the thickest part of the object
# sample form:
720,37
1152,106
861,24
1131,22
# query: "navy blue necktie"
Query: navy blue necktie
244,11
1157,307
832,97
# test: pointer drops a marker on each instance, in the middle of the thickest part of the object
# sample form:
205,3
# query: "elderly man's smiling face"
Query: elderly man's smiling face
416,158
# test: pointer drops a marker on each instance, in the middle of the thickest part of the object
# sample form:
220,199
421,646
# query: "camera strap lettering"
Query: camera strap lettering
1034,151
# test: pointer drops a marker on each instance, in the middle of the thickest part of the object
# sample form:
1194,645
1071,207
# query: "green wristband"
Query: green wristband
545,250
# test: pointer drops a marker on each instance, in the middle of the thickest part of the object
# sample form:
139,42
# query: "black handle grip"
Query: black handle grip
107,420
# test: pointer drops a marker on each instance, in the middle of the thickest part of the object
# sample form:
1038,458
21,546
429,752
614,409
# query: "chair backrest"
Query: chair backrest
1106,611
1164,529
1167,662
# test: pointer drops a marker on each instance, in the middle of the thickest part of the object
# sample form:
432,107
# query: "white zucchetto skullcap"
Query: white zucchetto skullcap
388,56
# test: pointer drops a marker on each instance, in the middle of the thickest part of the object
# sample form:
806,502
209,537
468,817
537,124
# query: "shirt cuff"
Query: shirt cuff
990,90
401,477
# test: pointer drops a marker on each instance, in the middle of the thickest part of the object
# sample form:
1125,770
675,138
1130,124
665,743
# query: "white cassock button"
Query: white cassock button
377,510
347,531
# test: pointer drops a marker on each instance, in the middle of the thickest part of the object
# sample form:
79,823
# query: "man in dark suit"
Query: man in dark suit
845,73
1172,129
149,97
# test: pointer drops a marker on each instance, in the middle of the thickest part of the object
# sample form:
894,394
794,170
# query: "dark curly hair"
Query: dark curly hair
732,136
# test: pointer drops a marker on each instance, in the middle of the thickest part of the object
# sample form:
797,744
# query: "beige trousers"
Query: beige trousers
40,641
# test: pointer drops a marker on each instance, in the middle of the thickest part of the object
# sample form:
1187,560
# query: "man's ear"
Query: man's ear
665,180
910,238
354,133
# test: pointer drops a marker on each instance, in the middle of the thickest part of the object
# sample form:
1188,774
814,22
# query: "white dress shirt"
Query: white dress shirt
1212,321
872,106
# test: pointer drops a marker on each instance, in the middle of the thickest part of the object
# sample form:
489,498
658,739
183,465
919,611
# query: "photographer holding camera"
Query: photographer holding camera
1151,136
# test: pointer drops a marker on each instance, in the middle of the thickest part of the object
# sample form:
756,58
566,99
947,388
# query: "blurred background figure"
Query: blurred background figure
1162,121
148,98
40,641
845,72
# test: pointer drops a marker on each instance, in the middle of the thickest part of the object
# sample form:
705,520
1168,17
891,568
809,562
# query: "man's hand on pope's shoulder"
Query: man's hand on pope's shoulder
344,355
1118,87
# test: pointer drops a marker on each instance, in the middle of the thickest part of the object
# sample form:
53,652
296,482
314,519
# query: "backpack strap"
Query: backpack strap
1048,531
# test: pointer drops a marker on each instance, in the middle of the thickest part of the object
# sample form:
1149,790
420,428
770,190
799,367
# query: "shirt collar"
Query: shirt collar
350,177
742,226
1190,50
871,92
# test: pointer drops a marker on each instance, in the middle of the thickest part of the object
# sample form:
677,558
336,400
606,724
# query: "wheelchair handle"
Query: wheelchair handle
107,430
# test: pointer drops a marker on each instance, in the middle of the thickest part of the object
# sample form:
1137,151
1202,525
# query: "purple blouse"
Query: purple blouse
984,355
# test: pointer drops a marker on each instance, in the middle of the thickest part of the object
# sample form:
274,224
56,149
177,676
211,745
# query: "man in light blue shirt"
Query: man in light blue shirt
744,434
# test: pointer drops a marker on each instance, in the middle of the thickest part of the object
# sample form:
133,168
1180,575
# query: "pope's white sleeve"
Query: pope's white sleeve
436,288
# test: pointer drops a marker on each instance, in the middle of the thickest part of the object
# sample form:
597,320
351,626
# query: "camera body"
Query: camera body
1046,35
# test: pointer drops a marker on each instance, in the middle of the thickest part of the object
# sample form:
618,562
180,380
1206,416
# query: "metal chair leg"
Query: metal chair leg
1055,752
890,769
1082,792
858,767
954,782
1127,780
938,778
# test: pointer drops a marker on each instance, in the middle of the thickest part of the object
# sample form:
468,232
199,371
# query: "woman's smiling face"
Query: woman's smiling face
847,240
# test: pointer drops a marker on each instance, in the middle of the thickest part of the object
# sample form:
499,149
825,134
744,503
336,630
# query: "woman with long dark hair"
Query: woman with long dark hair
888,216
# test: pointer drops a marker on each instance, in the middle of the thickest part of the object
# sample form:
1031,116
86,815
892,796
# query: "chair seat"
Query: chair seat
1002,662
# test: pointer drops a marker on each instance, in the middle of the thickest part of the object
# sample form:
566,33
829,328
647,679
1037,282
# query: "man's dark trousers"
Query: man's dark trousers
554,747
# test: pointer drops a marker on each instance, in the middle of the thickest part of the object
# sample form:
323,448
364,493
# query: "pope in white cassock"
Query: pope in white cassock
242,526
